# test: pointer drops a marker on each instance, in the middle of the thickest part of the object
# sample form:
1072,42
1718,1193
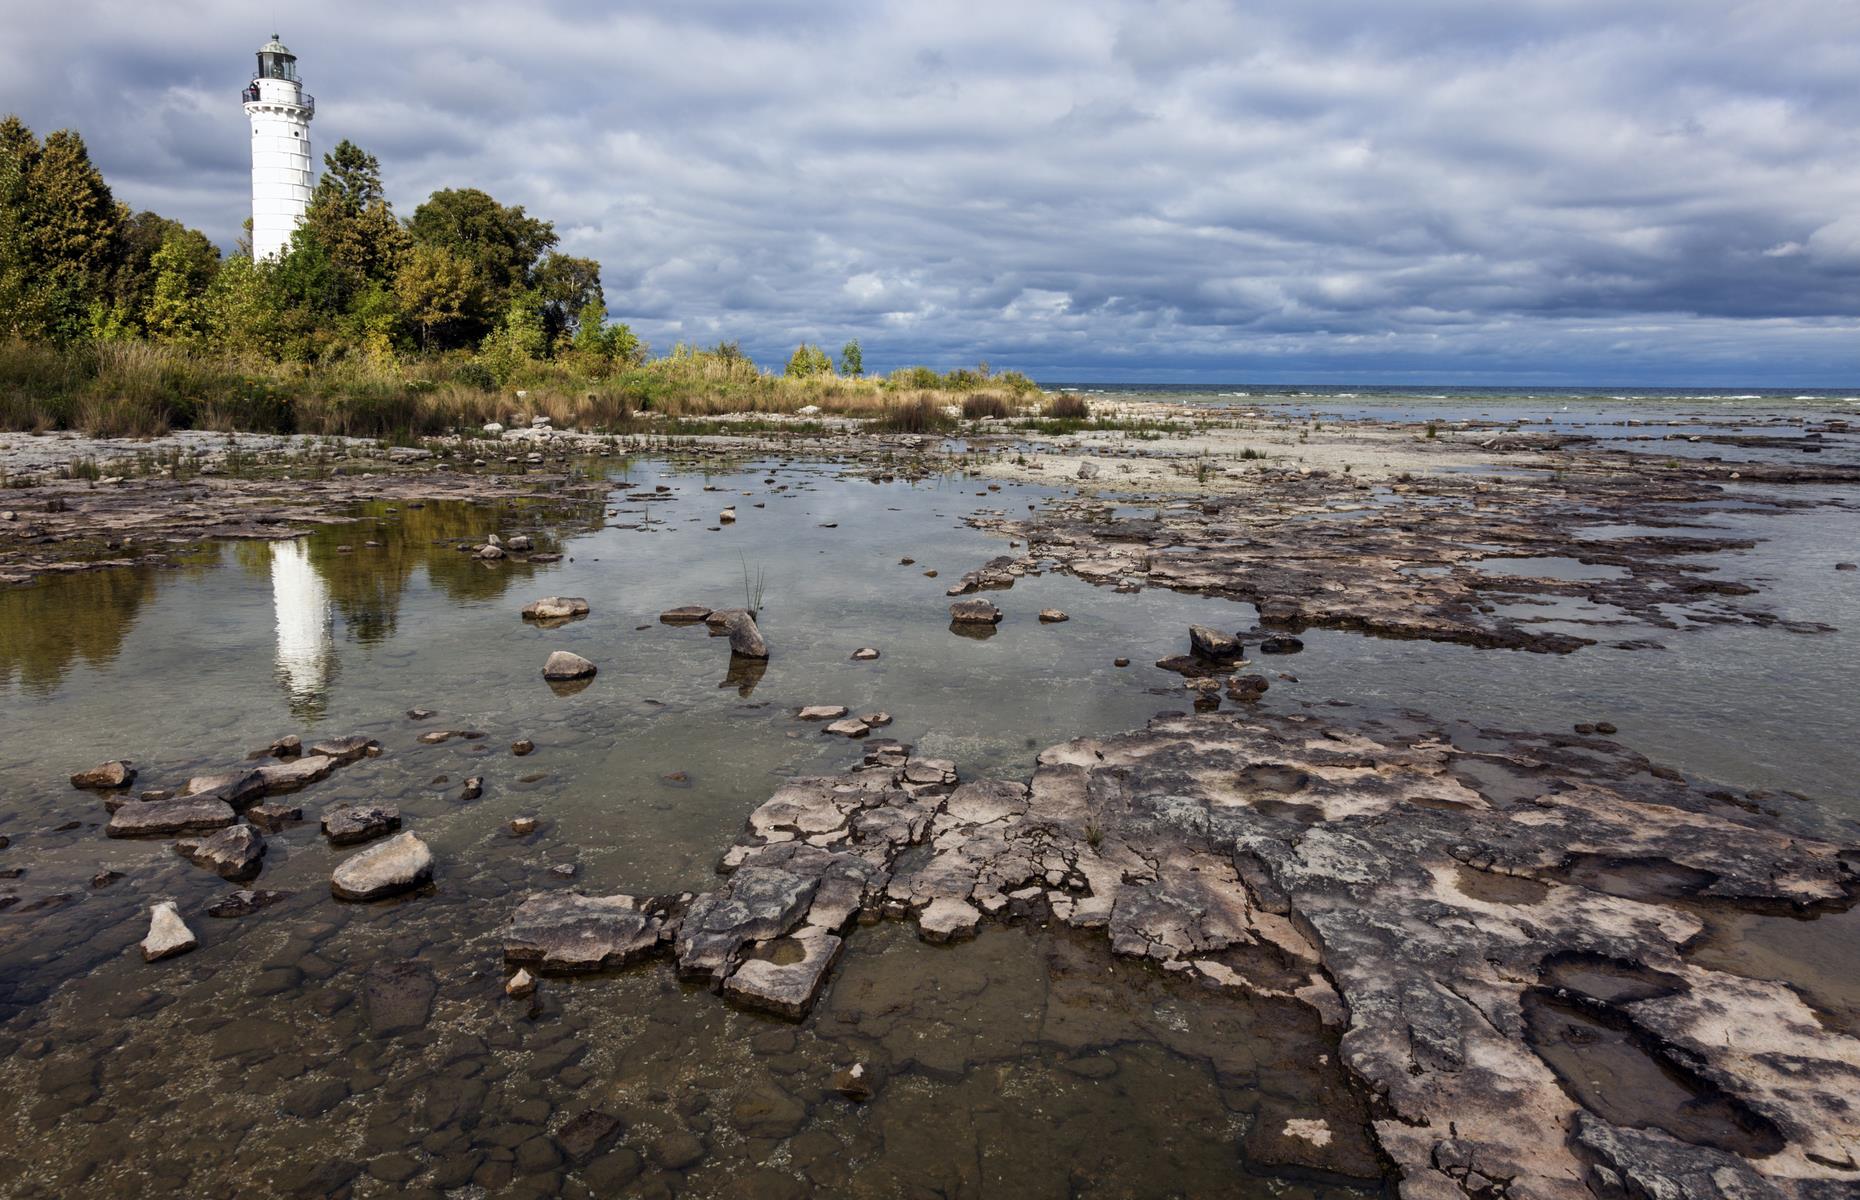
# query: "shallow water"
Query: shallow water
1027,1063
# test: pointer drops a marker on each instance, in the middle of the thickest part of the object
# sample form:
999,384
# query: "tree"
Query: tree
241,307
807,361
852,359
437,291
349,215
176,310
58,227
567,285
502,242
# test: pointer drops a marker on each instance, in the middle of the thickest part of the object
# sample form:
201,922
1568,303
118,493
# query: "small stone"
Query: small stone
521,543
876,720
1120,662
1606,728
396,865
103,879
850,727
347,824
473,788
1053,616
1281,644
822,712
522,746
864,654
117,773
288,746
564,870
727,516
520,985
490,553
523,826
1847,566
1247,688
564,665
168,935
854,1083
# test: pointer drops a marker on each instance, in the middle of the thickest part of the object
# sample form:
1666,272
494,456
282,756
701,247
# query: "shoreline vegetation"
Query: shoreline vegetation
118,323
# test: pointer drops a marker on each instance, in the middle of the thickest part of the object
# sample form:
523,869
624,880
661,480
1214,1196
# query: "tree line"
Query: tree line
463,273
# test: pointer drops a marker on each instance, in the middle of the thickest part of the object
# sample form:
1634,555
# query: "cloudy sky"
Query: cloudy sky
1444,191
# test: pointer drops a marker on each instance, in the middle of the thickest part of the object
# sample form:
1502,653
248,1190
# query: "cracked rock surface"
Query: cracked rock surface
1476,914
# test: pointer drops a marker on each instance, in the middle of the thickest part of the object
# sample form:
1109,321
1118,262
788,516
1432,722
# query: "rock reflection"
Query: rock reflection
744,674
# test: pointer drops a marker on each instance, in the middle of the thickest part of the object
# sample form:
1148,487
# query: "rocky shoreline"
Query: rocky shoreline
1461,905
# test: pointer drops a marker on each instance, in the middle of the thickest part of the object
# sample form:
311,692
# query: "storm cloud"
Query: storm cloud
1442,190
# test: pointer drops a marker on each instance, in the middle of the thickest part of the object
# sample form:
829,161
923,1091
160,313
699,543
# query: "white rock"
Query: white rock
519,985
168,934
493,428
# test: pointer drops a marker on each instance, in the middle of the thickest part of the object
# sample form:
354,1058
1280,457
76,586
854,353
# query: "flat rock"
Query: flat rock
1052,616
234,853
565,665
346,749
146,818
117,773
349,824
289,776
168,934
822,712
565,931
690,614
555,608
864,654
401,863
850,727
238,788
272,816
787,983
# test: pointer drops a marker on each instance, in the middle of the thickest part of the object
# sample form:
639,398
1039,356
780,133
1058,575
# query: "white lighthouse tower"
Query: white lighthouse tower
280,111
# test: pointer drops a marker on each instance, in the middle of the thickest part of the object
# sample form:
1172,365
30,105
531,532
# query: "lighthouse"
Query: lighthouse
280,111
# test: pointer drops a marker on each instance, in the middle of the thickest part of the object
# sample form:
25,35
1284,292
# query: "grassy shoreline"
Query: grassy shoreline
144,389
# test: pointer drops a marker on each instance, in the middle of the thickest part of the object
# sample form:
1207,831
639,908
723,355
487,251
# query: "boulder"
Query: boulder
720,619
234,853
396,865
168,934
489,552
521,543
555,608
1247,688
349,824
1204,642
565,931
746,639
564,665
167,817
117,773
974,612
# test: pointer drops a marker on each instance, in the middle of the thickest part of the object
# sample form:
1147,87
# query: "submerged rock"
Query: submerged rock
117,773
690,614
564,665
271,817
244,903
397,865
168,934
235,853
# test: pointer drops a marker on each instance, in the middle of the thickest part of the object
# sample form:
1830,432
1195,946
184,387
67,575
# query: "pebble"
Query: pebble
522,746
523,826
864,654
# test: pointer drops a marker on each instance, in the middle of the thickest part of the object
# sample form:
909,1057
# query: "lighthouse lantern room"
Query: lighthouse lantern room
280,111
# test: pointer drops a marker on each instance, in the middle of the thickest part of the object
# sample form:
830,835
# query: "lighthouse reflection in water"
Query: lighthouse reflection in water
306,652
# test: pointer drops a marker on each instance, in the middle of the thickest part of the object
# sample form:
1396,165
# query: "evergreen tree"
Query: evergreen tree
350,217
